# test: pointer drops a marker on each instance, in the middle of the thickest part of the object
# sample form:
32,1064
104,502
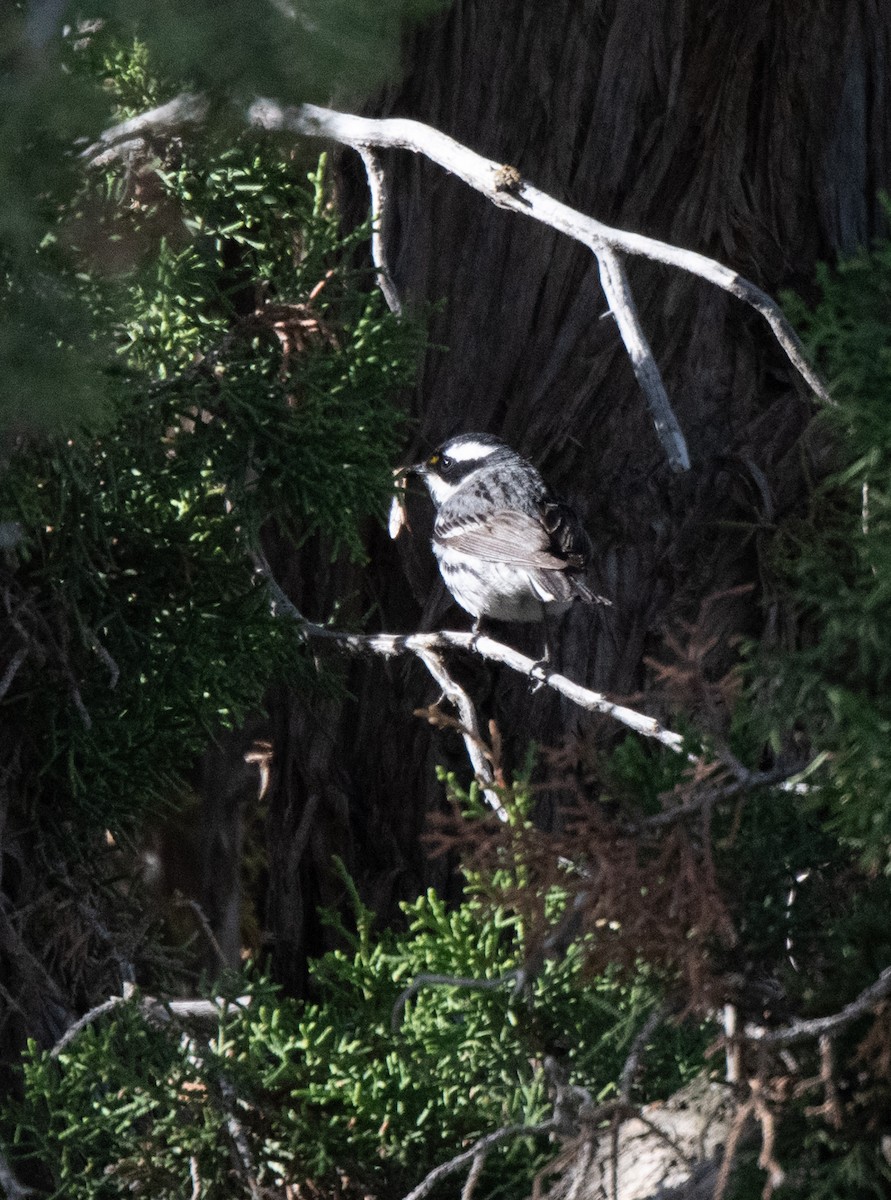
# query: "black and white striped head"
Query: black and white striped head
450,466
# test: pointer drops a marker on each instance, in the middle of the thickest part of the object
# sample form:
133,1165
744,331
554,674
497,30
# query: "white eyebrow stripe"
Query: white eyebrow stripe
465,451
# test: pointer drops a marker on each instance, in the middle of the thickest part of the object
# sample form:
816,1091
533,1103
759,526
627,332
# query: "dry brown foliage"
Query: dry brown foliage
637,894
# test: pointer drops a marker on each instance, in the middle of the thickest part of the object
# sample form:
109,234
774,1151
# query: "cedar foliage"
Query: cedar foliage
252,369
331,1095
244,369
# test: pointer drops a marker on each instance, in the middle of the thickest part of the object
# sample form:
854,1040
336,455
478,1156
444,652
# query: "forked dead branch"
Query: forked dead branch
506,188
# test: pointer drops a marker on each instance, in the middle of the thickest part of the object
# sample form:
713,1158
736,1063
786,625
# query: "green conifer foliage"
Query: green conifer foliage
247,373
336,1090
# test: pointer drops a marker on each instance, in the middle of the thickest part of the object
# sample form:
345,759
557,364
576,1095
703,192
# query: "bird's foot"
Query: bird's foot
541,669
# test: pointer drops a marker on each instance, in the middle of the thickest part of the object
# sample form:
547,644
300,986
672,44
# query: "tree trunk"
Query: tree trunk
756,134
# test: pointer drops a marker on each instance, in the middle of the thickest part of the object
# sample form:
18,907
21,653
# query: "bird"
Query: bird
509,549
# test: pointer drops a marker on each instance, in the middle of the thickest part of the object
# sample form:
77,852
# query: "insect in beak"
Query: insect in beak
398,518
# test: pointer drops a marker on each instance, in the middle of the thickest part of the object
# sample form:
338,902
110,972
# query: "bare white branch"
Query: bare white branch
377,187
617,290
473,742
483,174
505,188
389,645
188,108
392,645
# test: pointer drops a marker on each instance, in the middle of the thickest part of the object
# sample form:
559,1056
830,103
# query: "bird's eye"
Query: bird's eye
446,463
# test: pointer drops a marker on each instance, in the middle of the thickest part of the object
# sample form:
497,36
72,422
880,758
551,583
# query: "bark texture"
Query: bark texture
756,134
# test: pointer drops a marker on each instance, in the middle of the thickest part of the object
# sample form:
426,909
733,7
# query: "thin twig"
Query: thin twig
114,670
427,980
708,797
734,1133
614,1156
618,1111
580,1169
235,1129
831,1106
126,970
205,1010
766,1159
377,187
87,1019
732,1056
473,1176
195,1176
638,1049
201,917
614,281
473,742
802,1031
83,713
152,1009
12,670
483,1145
672,1143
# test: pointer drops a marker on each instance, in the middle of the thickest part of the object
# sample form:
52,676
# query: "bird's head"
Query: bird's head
452,463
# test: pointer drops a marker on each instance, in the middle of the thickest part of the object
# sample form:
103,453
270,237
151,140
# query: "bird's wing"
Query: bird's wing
504,536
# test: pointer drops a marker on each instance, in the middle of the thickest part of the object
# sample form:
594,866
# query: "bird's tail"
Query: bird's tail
584,593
